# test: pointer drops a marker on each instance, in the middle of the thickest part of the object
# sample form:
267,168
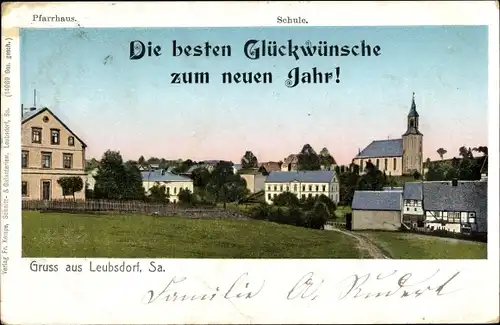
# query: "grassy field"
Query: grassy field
131,236
414,246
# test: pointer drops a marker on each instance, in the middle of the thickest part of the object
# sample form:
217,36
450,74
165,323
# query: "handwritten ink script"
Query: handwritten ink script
396,284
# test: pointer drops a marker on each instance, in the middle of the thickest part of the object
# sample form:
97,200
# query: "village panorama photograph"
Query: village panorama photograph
277,142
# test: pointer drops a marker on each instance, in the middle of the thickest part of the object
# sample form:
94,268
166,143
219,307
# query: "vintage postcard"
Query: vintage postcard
250,163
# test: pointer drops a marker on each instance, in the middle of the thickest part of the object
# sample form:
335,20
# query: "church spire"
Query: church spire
413,109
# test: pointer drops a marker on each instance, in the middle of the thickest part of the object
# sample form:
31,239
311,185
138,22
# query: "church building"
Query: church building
396,157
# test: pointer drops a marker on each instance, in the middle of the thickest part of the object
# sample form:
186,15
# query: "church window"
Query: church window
385,164
394,163
412,123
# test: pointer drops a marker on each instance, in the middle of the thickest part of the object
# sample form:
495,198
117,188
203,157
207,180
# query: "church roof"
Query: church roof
413,109
383,148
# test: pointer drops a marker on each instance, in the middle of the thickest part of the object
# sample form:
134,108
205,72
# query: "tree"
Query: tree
317,218
249,160
70,185
157,193
186,197
116,180
286,199
441,152
224,185
331,206
416,175
481,149
308,159
200,176
141,161
372,180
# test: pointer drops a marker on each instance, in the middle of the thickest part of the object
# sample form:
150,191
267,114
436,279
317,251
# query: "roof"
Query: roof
466,196
293,158
377,200
270,166
383,148
413,109
316,176
156,176
412,191
32,113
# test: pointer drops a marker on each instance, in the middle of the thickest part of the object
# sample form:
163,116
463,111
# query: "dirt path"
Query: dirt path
363,243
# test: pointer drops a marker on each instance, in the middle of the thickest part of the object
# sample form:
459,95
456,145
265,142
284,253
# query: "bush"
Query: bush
278,215
317,217
296,217
259,212
286,199
331,206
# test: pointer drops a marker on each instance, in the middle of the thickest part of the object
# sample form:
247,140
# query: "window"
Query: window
324,188
269,187
288,188
269,196
275,187
317,188
175,190
310,188
68,160
385,163
281,188
303,196
274,195
377,163
54,136
36,135
46,159
295,188
394,163
303,188
24,159
168,190
419,203
309,195
361,165
71,141
24,188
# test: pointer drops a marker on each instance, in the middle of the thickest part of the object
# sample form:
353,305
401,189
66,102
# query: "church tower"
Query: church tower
412,143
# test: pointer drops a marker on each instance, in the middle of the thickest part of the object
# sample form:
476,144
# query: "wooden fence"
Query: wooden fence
110,206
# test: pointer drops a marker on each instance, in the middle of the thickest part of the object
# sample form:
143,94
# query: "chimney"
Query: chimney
454,182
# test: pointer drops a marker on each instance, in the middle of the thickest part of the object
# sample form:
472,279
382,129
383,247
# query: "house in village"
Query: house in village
396,157
49,150
303,184
376,210
270,166
173,183
290,163
255,180
90,180
455,206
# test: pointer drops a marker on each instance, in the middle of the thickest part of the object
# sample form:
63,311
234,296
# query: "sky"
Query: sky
85,77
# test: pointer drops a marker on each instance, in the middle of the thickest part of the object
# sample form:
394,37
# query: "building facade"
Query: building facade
303,184
396,157
376,210
50,151
173,183
255,181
